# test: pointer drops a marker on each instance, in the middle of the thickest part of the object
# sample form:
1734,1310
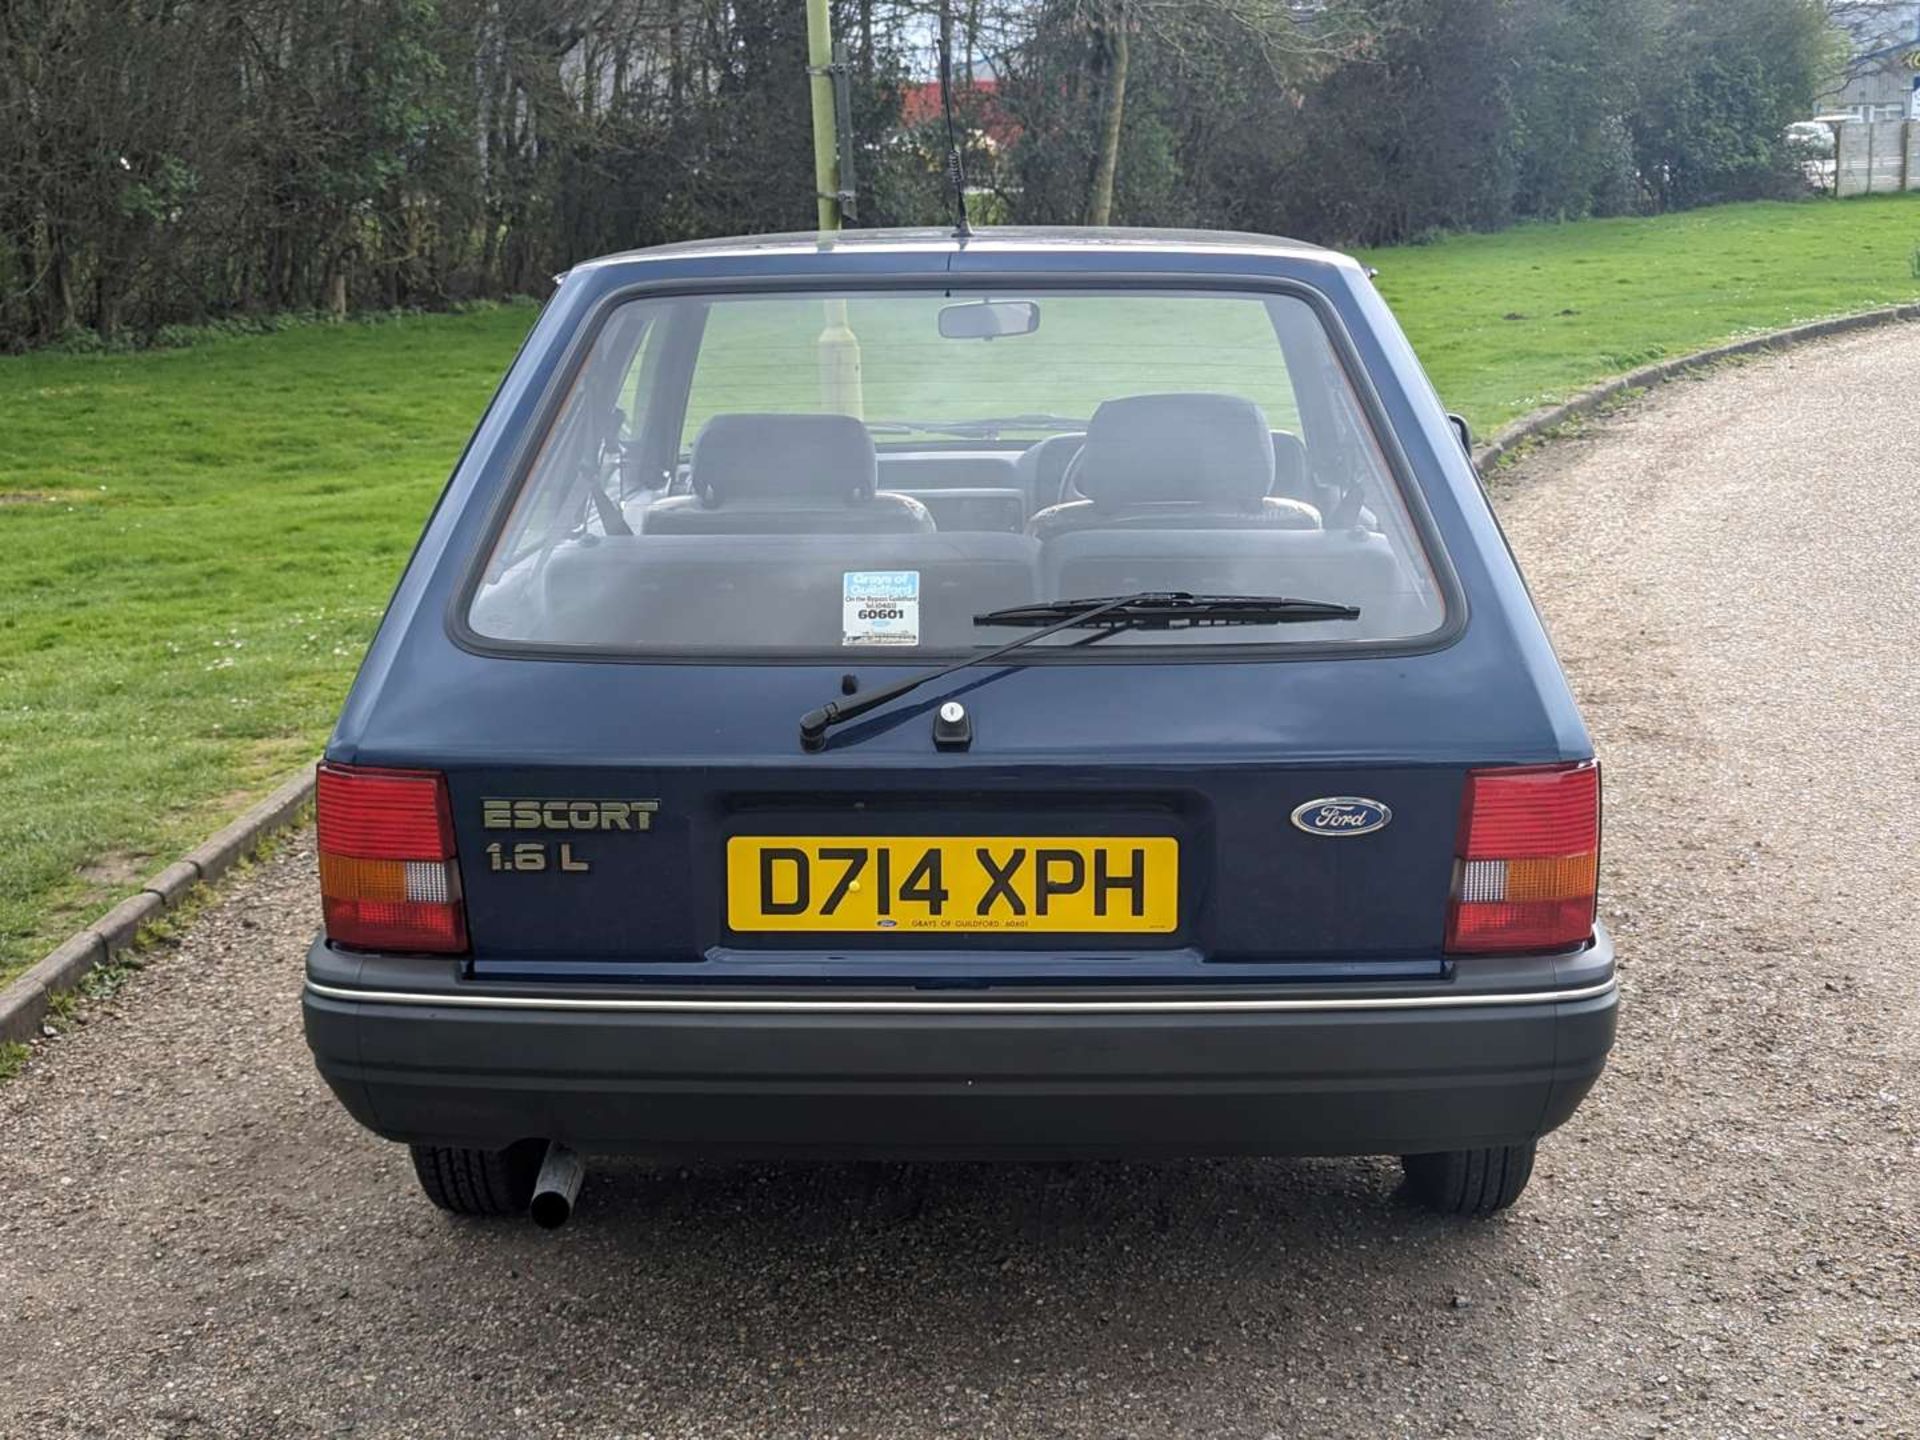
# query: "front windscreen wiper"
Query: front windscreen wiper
991,427
1149,610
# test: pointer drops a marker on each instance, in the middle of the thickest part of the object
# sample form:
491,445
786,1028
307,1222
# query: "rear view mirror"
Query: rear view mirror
989,319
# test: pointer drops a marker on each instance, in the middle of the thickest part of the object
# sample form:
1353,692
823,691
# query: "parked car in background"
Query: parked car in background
1049,693
1813,144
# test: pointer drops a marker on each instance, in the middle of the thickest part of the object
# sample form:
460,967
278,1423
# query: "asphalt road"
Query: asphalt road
194,1240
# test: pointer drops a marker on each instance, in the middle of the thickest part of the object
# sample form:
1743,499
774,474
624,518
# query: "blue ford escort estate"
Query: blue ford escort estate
1042,693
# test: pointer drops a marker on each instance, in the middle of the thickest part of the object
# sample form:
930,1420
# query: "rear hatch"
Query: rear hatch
1105,823
615,703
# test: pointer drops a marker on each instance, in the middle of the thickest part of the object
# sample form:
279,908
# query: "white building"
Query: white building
1882,78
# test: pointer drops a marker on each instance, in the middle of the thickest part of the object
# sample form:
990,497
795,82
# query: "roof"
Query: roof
992,239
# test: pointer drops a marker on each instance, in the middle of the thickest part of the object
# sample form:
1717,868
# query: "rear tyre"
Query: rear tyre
1469,1182
479,1182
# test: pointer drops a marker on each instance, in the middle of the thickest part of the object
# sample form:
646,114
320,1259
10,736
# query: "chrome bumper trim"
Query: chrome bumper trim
723,1006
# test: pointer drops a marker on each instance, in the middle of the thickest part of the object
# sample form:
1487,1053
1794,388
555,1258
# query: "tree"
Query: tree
165,161
1575,86
1726,79
1076,71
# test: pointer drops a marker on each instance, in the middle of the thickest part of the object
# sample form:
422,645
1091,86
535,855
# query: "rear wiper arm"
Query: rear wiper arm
1158,610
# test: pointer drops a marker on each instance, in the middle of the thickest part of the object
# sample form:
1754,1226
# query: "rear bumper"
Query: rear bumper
1496,1056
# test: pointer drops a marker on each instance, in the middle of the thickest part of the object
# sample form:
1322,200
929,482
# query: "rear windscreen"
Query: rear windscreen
827,473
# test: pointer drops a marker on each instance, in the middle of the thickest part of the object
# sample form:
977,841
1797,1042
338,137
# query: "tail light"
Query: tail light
1528,867
387,875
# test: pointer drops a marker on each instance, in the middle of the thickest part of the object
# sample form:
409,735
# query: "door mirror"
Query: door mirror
1464,431
989,319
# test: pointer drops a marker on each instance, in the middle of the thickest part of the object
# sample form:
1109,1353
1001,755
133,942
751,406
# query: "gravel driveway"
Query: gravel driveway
194,1239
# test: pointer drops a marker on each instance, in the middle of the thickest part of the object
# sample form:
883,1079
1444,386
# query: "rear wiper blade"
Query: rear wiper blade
1147,610
1171,610
987,428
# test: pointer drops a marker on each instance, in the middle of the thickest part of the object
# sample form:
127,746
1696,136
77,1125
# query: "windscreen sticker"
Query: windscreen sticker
880,607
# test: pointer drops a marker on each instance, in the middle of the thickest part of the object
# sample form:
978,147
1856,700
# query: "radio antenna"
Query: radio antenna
956,165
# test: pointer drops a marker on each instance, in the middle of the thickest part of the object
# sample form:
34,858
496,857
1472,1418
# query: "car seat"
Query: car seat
785,474
1181,462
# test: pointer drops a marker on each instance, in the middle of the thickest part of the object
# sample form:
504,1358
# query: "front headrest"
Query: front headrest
783,457
1160,448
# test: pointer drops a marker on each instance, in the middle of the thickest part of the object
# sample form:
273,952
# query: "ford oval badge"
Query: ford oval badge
1342,815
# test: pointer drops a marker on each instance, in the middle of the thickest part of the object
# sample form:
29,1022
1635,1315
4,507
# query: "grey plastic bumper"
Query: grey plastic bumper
1500,1054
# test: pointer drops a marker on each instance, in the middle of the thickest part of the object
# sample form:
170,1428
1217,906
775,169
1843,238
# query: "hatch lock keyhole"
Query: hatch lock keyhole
952,726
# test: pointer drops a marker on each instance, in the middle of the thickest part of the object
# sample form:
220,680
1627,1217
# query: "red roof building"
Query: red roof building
975,105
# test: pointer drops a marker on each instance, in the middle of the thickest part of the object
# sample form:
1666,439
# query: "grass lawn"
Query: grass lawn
1506,323
195,545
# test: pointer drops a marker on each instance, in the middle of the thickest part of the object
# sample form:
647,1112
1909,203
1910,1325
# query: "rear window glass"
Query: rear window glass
824,473
1088,348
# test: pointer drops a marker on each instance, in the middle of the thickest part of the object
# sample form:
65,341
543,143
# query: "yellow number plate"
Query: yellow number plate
1027,883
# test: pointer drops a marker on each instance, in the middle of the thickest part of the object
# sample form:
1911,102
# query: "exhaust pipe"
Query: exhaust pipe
558,1186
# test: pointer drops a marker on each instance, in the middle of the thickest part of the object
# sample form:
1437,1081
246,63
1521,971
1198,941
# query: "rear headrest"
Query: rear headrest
1158,448
784,457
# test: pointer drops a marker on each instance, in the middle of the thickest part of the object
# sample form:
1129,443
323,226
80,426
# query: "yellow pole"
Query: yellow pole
840,389
826,163
839,351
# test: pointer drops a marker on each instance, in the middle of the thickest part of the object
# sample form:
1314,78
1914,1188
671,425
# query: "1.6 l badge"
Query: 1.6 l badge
1342,815
570,816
